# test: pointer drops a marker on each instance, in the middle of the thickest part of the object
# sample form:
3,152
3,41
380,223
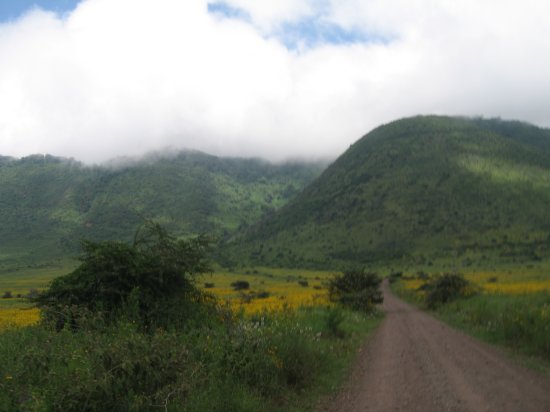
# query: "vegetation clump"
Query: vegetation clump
151,281
395,276
356,289
129,330
445,288
240,285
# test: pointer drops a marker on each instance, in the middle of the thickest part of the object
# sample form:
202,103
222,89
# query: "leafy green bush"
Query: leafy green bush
445,288
333,321
271,363
151,281
240,285
356,289
395,276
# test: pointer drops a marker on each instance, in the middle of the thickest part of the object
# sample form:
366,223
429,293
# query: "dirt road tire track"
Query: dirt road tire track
417,363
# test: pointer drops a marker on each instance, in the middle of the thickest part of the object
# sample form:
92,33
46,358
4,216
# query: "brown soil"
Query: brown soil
414,362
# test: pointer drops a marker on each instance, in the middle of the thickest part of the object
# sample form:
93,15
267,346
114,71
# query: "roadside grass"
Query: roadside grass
511,309
520,322
278,345
271,361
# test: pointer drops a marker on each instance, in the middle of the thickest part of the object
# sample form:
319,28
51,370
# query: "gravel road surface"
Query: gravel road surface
414,362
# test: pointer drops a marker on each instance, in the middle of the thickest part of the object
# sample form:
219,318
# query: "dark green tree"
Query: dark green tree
152,280
356,289
445,288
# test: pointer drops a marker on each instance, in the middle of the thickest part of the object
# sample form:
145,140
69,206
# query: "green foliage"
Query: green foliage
151,280
356,289
395,276
521,322
48,203
444,288
414,191
270,363
240,285
333,319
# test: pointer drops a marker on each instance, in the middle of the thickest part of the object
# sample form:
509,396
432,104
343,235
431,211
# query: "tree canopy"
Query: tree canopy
146,279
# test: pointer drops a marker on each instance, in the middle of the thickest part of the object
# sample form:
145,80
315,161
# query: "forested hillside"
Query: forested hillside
417,190
48,204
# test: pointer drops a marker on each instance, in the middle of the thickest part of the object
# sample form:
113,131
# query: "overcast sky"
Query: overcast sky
97,79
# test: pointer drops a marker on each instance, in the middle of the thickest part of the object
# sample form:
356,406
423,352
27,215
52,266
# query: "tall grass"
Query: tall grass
268,362
518,321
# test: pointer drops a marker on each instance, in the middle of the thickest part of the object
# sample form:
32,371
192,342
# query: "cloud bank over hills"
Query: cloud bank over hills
261,78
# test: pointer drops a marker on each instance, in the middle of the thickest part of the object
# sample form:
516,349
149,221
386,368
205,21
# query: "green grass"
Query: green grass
19,280
416,191
271,362
519,322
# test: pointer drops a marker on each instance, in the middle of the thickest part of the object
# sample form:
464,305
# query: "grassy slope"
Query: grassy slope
417,190
47,204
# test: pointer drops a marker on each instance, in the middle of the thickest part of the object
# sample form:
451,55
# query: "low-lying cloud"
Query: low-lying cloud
123,77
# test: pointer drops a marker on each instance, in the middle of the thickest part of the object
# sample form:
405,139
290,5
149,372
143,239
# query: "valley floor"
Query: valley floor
417,363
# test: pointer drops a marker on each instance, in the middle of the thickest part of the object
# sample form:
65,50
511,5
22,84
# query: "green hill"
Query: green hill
418,190
48,204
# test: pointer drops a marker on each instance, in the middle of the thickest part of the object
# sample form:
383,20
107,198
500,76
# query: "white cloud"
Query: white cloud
121,77
267,15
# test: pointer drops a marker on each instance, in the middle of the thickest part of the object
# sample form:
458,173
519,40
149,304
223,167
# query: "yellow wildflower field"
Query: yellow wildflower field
517,288
499,282
16,317
270,289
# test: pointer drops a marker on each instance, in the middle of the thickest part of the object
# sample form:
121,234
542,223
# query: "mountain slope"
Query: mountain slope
414,190
47,204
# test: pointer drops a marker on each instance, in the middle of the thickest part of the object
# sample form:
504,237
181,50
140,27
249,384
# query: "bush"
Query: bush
151,281
240,285
395,276
33,294
7,295
356,289
445,288
333,322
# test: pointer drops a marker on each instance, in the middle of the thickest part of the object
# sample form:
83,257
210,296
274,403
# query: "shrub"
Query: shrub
333,322
356,289
422,275
240,285
445,288
151,281
395,276
33,294
7,295
303,283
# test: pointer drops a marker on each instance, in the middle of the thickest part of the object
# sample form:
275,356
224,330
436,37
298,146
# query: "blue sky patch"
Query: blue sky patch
11,10
225,10
307,32
314,31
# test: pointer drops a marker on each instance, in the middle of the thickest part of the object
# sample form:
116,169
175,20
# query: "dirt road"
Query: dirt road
416,363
